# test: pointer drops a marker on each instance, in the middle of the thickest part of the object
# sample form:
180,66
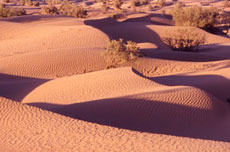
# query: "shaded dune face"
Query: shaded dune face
26,128
180,110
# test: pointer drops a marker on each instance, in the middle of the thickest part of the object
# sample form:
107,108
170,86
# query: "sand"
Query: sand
57,95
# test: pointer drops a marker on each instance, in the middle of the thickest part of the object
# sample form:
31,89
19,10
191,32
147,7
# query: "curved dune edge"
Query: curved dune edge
91,86
26,128
180,111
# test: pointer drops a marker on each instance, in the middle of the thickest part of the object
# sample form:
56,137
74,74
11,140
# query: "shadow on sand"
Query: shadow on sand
150,116
17,87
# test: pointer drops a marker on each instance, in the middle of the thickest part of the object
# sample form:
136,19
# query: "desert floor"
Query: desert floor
57,95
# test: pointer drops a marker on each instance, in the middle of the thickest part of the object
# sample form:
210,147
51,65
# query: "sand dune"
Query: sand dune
55,94
41,37
91,86
25,128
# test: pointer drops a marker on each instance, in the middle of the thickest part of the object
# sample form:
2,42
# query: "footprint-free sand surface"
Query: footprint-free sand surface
57,95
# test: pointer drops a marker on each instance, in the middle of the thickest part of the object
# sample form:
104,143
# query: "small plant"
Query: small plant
117,52
195,16
226,3
71,9
184,39
133,5
161,3
49,10
104,7
6,11
36,3
163,12
6,1
117,4
224,22
53,2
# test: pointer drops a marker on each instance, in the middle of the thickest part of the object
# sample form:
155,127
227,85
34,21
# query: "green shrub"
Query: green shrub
184,39
10,11
195,16
117,52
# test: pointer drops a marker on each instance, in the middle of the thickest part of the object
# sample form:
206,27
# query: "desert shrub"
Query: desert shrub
150,7
224,22
6,1
36,3
184,39
226,3
117,4
163,12
179,4
53,2
204,18
26,2
105,6
71,9
117,52
49,10
161,3
10,11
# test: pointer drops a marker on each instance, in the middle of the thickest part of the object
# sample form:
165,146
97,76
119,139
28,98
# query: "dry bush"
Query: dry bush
71,9
226,3
10,11
36,3
67,8
195,16
105,6
184,39
26,2
224,22
53,2
161,3
179,4
6,1
117,52
117,4
49,10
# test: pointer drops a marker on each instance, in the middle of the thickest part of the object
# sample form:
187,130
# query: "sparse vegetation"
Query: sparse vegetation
184,39
117,4
6,1
118,52
69,9
53,2
224,22
161,3
195,16
6,11
26,2
49,10
105,6
226,3
74,10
